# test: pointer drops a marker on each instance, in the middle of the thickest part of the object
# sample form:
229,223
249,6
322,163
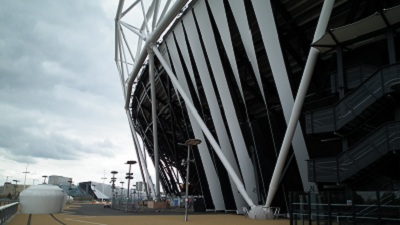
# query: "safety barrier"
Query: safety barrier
336,169
334,118
357,207
7,211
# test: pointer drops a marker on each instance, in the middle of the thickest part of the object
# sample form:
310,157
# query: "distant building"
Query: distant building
96,190
59,180
12,189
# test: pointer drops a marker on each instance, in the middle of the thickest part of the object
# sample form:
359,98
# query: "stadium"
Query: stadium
286,96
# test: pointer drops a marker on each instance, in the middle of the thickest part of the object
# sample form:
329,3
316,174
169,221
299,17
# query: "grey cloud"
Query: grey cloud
55,59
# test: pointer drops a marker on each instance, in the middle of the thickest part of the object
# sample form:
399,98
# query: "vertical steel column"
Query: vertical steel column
154,119
391,47
340,73
341,85
298,103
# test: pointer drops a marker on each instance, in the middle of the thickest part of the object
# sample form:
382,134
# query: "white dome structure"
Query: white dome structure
42,199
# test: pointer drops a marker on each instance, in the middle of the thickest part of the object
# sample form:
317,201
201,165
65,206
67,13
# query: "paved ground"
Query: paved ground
84,214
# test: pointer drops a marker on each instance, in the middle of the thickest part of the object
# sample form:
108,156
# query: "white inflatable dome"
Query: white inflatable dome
42,199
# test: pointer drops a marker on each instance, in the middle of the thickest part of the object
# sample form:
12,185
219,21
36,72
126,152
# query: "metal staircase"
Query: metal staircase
365,101
367,151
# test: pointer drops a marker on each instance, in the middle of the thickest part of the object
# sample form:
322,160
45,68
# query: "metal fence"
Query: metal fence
7,211
359,207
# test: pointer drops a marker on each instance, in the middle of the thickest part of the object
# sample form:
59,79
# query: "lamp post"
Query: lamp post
44,181
103,178
189,143
70,184
113,179
129,176
15,188
25,172
122,188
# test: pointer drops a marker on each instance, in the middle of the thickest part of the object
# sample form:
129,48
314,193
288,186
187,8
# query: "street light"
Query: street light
189,143
113,179
103,178
44,176
122,188
70,184
15,187
26,172
129,177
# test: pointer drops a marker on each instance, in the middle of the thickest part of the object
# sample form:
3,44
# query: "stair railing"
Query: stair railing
355,102
336,169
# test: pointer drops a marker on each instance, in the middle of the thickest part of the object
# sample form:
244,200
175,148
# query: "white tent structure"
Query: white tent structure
42,199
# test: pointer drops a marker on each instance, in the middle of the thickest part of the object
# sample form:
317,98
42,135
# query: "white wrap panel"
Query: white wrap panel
272,45
239,13
218,11
211,48
212,178
209,91
180,37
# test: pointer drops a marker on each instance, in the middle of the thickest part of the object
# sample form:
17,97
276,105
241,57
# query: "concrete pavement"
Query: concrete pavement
84,214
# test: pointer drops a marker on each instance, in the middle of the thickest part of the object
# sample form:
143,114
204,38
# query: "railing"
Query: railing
336,169
355,75
373,207
7,211
373,88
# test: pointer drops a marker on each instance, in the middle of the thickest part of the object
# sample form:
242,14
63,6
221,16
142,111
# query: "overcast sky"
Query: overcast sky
61,102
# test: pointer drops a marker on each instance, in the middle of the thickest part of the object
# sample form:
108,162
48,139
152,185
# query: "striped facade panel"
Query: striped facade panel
212,102
212,179
240,63
211,49
263,11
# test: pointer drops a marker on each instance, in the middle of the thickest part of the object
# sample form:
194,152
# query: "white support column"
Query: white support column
206,131
298,103
154,119
140,153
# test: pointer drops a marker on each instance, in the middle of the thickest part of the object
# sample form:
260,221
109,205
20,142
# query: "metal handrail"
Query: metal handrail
336,169
7,211
336,116
326,207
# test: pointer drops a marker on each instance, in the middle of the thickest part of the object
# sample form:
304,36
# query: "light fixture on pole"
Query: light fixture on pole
26,172
44,181
103,178
70,184
15,187
129,176
122,188
189,143
113,179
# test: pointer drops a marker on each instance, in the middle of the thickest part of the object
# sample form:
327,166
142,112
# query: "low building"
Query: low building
59,180
13,189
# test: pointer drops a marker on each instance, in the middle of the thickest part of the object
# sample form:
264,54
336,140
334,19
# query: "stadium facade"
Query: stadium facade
240,64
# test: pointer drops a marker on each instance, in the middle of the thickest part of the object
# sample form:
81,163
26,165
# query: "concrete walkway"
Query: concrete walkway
97,215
